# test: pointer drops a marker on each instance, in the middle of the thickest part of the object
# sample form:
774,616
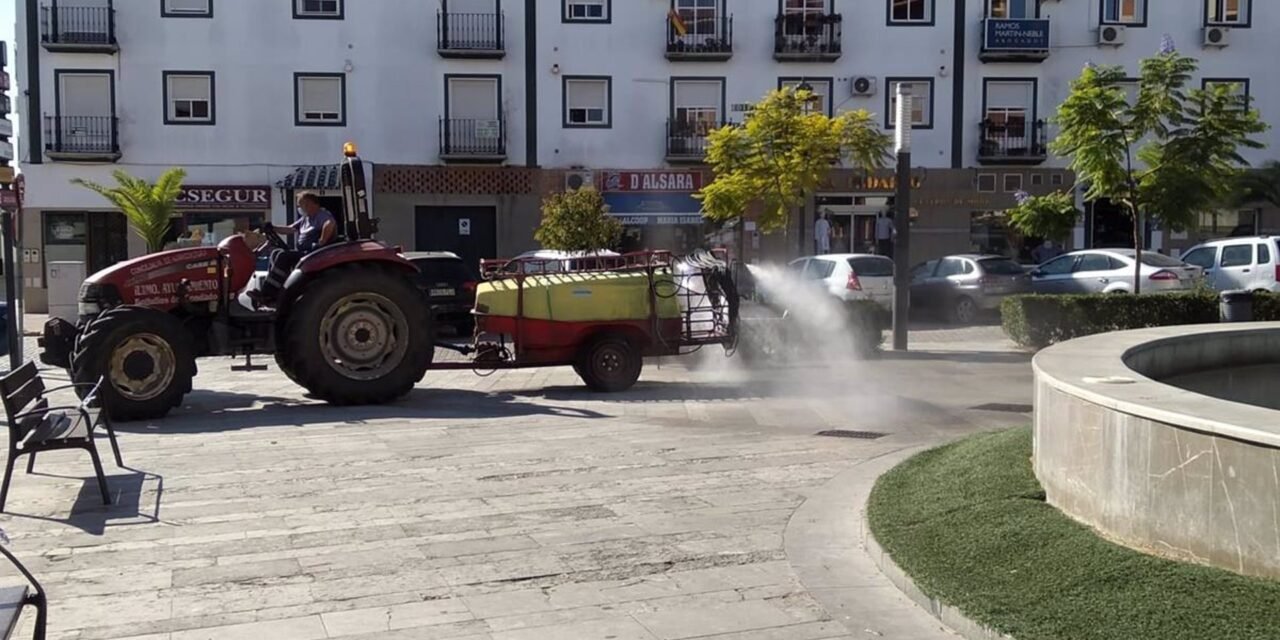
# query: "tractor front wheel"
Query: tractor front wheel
145,358
609,364
359,334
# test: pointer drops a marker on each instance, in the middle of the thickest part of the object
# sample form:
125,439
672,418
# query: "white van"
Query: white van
1249,263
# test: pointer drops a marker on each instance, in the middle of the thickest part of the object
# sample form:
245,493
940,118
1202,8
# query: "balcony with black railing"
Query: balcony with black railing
84,29
481,140
1012,143
5,105
470,35
807,37
86,138
702,39
687,142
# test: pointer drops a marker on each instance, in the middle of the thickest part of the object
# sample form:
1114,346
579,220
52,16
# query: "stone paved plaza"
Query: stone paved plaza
700,504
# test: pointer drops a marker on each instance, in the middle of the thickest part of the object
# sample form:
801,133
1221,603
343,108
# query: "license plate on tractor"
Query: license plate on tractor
440,293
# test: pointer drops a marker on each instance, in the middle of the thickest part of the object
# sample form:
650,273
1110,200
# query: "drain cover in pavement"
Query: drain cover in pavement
860,435
1009,408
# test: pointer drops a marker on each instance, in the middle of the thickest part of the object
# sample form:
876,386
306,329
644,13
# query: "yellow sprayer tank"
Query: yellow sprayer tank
580,297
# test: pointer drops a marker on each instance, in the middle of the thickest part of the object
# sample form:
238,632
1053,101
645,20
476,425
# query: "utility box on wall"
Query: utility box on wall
65,279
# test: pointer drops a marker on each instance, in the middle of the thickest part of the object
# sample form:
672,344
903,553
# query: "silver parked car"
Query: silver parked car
961,286
1111,271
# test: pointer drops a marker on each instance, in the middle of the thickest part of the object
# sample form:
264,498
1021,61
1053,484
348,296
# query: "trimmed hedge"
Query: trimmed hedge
1037,321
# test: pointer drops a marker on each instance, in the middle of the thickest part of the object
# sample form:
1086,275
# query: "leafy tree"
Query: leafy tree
1187,141
1260,185
782,153
148,207
577,221
1050,216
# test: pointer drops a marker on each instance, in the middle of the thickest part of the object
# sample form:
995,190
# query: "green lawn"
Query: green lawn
969,523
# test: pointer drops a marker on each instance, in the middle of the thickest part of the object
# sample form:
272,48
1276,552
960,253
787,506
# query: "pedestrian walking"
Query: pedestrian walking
885,233
822,234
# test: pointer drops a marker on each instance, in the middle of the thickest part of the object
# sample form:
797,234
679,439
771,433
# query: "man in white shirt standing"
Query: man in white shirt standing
884,234
822,234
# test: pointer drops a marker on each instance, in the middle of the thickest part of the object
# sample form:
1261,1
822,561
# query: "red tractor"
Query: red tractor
348,322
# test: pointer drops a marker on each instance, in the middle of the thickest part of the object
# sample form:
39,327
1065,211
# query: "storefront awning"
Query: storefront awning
320,177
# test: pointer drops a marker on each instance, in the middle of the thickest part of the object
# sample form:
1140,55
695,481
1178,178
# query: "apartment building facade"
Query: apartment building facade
471,111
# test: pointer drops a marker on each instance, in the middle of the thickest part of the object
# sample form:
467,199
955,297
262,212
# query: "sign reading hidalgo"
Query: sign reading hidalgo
652,181
221,197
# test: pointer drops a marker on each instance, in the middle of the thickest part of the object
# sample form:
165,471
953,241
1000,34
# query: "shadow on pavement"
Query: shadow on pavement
212,411
656,392
126,509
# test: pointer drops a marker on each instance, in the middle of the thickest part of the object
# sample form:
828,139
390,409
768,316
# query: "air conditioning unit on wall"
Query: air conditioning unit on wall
862,86
1111,35
574,180
1216,36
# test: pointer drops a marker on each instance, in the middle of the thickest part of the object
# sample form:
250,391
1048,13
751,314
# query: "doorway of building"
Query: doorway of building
853,221
108,240
1111,226
470,232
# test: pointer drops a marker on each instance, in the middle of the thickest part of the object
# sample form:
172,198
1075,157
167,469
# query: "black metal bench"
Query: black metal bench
13,599
35,426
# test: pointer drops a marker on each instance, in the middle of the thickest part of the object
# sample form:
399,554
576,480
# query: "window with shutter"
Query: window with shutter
321,99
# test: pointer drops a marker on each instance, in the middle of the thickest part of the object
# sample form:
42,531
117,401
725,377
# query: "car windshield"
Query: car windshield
1153,259
1001,267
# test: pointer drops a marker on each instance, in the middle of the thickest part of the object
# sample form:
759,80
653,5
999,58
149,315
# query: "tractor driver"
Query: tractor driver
315,228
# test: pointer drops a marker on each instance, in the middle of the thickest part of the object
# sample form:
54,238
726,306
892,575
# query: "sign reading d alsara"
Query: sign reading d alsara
1017,35
194,198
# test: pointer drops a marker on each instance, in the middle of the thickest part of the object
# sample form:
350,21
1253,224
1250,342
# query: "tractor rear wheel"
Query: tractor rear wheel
359,334
146,357
609,364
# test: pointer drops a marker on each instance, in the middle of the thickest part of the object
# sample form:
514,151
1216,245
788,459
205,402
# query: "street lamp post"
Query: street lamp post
902,222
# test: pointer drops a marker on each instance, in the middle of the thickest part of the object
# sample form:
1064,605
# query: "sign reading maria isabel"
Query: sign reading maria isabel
1017,35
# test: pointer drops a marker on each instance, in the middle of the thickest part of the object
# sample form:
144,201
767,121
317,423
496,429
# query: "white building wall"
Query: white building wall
631,50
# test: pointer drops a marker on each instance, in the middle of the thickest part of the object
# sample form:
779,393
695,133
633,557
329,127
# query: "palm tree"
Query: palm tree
149,207
1259,185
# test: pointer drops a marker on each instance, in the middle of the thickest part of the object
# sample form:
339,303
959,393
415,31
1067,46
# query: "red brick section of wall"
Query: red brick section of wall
457,180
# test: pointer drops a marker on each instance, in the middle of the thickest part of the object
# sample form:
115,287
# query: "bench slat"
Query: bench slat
11,600
58,426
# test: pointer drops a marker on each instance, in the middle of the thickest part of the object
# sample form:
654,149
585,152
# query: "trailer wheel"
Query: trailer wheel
609,364
358,334
146,357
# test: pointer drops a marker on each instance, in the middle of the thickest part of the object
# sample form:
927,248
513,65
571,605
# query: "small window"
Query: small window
587,10
1237,87
954,267
317,9
1130,12
986,183
922,271
921,102
321,100
187,8
821,90
1264,254
1037,179
587,102
911,12
1012,182
1056,179
1012,9
1237,255
1204,257
1058,266
188,97
1231,13
1093,262
819,269
872,267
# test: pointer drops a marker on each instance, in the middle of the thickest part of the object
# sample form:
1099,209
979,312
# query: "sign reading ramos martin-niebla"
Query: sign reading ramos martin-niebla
1017,35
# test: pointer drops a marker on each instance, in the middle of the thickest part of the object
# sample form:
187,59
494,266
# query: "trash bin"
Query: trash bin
1237,306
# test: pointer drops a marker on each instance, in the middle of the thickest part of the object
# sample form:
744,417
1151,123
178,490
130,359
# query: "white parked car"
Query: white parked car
1111,271
849,276
1231,264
